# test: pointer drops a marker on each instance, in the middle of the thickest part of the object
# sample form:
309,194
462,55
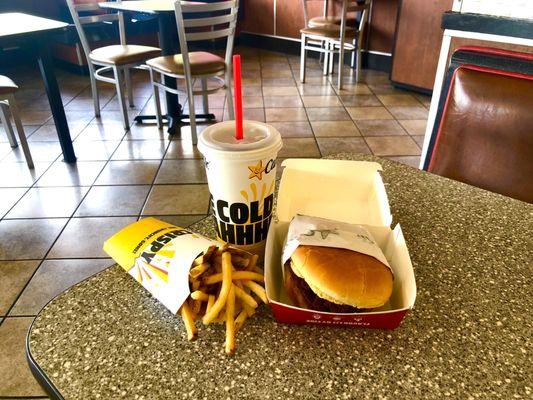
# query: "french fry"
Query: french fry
198,270
199,295
253,262
230,322
237,275
244,297
224,290
257,289
188,320
249,310
210,302
195,285
239,321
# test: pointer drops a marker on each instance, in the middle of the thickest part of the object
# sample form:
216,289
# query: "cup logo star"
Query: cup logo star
256,171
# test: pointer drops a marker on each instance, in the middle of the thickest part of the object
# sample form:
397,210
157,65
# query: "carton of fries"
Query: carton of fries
345,191
197,277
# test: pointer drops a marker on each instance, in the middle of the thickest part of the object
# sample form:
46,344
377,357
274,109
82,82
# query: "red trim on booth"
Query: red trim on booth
496,52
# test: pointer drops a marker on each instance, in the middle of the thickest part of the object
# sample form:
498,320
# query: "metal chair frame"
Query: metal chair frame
121,74
8,109
331,46
216,31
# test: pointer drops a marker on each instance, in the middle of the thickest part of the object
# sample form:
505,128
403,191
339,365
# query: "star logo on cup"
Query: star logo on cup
256,171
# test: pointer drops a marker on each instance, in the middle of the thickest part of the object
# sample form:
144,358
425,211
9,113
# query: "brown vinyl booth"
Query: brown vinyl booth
484,134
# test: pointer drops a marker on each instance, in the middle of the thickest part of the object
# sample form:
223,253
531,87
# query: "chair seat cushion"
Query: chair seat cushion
324,21
7,86
121,55
328,31
202,63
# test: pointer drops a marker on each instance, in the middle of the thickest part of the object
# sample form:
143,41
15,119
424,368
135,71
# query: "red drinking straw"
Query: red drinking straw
237,90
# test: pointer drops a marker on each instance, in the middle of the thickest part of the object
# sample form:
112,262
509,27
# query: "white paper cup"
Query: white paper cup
241,177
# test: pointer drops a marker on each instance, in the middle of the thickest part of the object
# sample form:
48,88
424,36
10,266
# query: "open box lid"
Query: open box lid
349,191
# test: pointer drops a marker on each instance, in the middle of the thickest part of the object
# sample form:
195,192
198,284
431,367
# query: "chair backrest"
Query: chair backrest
485,134
206,21
306,10
91,13
357,6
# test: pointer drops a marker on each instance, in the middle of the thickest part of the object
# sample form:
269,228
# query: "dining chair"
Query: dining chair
8,108
331,39
205,21
118,59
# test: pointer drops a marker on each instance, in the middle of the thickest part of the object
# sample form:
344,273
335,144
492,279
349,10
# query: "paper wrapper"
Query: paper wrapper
314,231
159,256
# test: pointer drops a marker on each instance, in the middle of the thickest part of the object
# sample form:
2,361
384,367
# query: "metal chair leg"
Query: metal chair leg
327,55
129,87
229,96
94,90
352,61
6,121
119,83
157,102
331,57
341,64
303,58
20,129
192,114
205,100
359,65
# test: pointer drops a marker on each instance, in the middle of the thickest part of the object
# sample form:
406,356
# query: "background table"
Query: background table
169,43
469,334
34,33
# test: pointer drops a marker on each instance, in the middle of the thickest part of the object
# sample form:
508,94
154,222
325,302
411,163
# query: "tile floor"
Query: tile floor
54,220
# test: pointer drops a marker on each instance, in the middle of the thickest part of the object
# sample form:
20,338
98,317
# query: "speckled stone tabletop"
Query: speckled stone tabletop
468,336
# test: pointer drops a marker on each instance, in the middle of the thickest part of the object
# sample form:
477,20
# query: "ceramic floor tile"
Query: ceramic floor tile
286,81
285,114
150,132
24,239
330,146
95,150
128,173
380,127
19,175
51,279
321,101
181,171
113,201
93,132
293,129
334,128
13,277
363,113
353,88
409,112
177,199
179,149
84,237
251,114
82,173
252,101
33,117
384,88
8,198
283,101
48,202
17,379
48,133
280,91
28,131
327,114
113,104
178,220
419,139
318,90
398,100
393,146
360,100
414,126
140,150
412,161
40,152
296,147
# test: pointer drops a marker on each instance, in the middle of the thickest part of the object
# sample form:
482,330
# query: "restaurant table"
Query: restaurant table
168,41
468,336
34,33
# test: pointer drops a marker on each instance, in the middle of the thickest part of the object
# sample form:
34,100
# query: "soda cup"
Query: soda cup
241,175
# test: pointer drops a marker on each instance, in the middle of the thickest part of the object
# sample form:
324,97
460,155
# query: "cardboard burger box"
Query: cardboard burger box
346,191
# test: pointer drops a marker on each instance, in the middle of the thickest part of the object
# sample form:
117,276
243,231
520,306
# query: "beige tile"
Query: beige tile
19,175
414,126
17,379
113,104
384,88
342,145
316,90
84,237
405,112
28,130
327,114
24,239
252,101
321,101
412,161
362,113
398,100
82,173
13,277
334,128
179,149
101,132
283,101
150,132
285,114
293,129
95,150
393,146
33,117
280,91
177,199
380,127
251,114
181,171
419,139
48,202
141,150
299,147
8,198
51,279
113,201
128,172
285,81
353,88
360,100
48,133
40,152
179,220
